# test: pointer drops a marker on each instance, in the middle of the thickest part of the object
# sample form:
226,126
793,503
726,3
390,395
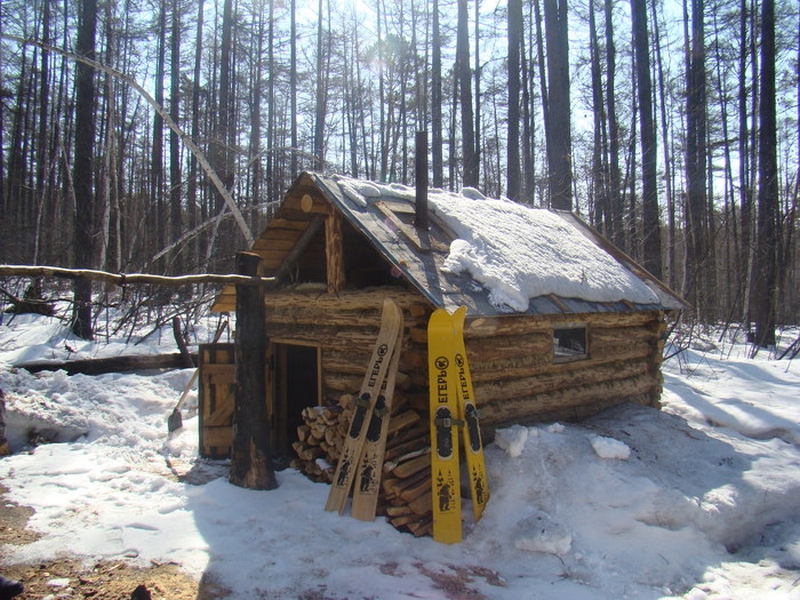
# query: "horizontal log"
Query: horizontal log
130,278
334,384
488,390
348,307
622,334
600,352
511,408
509,367
480,327
620,350
114,364
485,349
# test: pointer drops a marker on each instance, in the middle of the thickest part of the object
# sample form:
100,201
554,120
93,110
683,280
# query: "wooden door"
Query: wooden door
216,395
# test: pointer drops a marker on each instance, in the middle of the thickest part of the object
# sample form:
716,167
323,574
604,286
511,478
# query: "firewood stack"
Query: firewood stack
405,496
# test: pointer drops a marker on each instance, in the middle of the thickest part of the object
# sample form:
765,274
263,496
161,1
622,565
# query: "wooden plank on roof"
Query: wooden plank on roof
421,239
557,301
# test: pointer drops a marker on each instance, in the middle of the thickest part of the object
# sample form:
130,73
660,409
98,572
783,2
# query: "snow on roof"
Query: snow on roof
517,252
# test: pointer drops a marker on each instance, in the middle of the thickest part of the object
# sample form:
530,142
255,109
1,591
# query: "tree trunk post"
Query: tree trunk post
251,459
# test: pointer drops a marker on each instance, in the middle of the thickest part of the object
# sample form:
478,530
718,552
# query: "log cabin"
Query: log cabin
560,323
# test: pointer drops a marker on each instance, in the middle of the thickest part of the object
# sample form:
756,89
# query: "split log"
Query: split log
415,465
405,492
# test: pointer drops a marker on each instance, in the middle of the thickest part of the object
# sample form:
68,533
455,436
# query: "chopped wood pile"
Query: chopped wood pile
405,496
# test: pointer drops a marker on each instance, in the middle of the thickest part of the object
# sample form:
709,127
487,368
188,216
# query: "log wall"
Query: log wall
515,378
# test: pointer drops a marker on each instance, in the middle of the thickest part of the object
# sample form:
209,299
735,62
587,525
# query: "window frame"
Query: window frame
567,355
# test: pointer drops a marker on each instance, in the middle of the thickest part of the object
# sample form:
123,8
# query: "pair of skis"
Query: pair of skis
361,461
452,407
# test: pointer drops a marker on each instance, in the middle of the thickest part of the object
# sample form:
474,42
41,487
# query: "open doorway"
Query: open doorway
295,386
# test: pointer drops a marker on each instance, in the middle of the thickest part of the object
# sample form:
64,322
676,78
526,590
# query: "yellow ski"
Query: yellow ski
445,476
468,413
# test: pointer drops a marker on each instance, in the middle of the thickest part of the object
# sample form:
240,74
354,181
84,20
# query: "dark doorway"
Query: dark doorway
296,387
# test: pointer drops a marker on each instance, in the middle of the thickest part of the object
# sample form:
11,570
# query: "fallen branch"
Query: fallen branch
130,278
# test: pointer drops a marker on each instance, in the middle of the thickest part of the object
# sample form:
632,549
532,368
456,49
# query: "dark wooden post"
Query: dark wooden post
4,449
421,181
251,459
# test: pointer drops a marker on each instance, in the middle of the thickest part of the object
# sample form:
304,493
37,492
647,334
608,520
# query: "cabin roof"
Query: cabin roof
493,256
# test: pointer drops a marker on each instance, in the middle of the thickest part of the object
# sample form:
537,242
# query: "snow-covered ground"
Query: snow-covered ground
699,500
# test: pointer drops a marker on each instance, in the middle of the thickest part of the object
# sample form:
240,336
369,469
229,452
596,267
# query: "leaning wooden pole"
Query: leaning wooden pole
251,459
130,278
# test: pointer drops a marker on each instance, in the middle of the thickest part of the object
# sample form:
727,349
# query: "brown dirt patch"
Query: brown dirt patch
71,579
14,520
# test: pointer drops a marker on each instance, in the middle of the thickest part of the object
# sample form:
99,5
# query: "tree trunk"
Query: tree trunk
191,192
158,220
437,157
293,88
669,257
651,227
745,187
616,207
695,163
43,157
251,455
470,159
514,44
599,173
477,77
176,180
559,143
764,288
221,154
321,96
83,169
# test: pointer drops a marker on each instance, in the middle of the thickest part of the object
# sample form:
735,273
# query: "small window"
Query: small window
570,343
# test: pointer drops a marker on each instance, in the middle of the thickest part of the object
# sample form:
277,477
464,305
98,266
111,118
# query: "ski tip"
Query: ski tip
459,316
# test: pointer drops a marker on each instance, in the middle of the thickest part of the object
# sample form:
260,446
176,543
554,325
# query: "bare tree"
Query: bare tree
559,138
651,228
470,158
83,169
514,45
436,101
764,287
697,246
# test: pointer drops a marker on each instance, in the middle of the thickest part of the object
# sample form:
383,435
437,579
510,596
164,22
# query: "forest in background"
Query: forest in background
157,136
